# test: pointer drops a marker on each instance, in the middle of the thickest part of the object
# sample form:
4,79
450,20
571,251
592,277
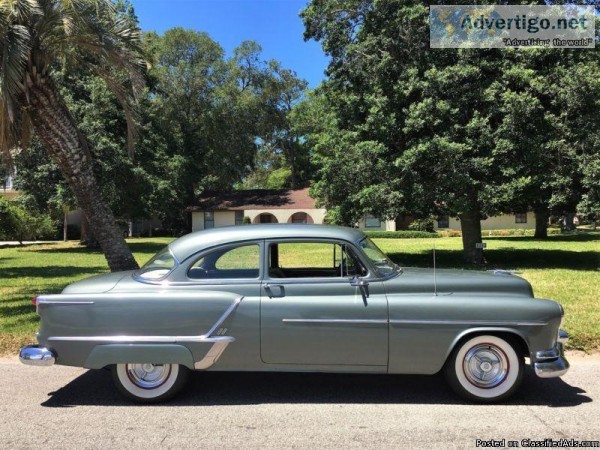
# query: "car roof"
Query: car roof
192,243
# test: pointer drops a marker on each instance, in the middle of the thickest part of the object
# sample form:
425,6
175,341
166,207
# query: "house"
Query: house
218,209
502,222
7,189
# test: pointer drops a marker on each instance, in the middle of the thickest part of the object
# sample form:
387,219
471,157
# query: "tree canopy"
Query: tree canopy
469,132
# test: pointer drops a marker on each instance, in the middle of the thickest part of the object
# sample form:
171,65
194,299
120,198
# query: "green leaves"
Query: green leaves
456,130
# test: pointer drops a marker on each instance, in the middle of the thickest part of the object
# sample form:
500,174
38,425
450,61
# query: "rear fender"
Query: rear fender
105,355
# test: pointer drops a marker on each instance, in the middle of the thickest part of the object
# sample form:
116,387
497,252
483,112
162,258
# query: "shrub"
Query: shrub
450,233
20,224
403,234
422,225
516,232
246,220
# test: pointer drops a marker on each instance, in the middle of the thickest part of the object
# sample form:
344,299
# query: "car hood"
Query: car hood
414,280
96,284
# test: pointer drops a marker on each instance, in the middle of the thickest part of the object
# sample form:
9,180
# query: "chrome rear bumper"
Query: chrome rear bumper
552,363
34,355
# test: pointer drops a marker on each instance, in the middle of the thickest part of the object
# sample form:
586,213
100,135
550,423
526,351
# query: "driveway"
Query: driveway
62,407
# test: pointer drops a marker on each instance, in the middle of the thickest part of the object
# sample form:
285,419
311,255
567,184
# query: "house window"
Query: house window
209,219
372,222
443,221
521,218
239,217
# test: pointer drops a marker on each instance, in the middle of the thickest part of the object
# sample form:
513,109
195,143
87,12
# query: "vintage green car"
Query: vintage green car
296,298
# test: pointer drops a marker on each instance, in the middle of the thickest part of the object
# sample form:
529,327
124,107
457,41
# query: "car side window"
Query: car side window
231,263
312,260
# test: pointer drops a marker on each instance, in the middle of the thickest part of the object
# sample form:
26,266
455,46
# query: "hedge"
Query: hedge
410,234
403,234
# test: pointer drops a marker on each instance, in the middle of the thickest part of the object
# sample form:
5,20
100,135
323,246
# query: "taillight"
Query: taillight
34,301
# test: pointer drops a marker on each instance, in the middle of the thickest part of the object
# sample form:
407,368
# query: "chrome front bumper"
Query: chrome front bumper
552,363
34,355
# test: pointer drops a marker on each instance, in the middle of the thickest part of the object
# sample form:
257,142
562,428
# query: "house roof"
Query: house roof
254,199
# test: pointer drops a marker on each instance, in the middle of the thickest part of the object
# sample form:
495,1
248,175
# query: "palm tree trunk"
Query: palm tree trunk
58,133
470,225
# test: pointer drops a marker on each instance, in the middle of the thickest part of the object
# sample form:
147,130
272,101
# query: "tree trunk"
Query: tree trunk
65,224
87,237
566,222
64,144
541,223
470,224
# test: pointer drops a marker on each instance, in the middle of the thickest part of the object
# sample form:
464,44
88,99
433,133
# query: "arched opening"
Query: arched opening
300,217
265,218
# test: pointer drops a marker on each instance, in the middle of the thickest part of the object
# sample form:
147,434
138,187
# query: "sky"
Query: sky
274,24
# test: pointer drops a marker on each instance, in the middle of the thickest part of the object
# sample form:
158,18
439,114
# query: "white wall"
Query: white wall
386,225
501,222
284,215
226,218
222,219
197,220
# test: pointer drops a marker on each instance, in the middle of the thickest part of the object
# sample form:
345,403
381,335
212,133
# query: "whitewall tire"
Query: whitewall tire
485,368
149,383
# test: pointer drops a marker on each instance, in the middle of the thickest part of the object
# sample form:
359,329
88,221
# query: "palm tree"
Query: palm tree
40,37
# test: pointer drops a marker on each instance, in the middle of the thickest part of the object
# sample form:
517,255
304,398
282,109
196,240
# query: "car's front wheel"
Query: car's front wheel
485,368
149,383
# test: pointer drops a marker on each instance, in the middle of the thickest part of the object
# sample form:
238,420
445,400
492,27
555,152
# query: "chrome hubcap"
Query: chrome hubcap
148,376
486,366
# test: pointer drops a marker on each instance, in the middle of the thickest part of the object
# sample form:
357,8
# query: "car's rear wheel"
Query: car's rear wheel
485,368
149,383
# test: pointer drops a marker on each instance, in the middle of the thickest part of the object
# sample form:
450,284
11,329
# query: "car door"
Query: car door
311,312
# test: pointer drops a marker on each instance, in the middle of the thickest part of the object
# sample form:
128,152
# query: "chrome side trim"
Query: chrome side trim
357,321
59,303
214,353
125,339
220,343
468,322
225,315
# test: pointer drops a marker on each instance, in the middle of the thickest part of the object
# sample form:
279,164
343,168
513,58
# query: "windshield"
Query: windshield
379,259
158,266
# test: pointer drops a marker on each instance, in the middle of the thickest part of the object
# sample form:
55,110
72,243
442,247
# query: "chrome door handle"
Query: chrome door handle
274,290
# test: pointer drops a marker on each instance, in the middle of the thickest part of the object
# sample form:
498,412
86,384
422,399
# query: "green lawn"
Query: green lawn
563,268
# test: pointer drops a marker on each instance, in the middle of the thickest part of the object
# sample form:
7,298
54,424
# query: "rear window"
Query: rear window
230,263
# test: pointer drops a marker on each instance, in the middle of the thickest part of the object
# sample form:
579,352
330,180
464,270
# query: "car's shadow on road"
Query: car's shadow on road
237,388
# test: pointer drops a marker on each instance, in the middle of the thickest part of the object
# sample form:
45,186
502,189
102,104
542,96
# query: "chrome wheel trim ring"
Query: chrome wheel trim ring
486,366
148,376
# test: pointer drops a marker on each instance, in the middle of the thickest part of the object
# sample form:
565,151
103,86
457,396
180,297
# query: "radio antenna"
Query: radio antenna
434,278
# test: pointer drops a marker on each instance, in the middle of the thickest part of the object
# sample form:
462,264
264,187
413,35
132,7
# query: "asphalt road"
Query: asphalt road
61,407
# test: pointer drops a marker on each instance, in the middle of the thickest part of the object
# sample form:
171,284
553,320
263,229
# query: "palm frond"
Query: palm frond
14,55
18,10
37,34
